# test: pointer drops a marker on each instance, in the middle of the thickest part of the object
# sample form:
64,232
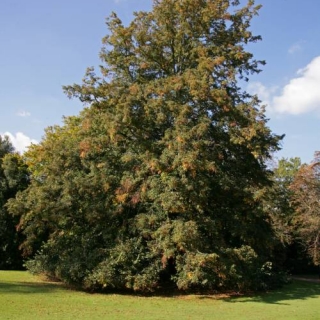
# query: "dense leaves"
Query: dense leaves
293,203
160,179
280,199
13,178
306,195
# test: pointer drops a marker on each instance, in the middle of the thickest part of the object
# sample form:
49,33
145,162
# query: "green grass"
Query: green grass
23,296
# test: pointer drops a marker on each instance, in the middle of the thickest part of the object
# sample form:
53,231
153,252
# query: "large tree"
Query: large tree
161,177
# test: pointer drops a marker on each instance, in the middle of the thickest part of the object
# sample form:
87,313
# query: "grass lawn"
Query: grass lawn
25,297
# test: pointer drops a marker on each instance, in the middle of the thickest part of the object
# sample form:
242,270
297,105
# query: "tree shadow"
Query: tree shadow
28,287
296,290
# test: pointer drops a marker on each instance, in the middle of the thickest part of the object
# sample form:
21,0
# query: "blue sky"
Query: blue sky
47,44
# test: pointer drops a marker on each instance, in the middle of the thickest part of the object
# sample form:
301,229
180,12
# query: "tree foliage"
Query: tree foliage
13,178
289,252
160,179
306,195
280,199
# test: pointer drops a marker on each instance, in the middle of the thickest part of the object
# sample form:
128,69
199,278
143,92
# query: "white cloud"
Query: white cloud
20,141
300,95
23,113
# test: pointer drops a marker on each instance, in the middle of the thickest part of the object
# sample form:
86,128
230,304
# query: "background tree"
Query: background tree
13,178
280,196
289,252
160,179
306,195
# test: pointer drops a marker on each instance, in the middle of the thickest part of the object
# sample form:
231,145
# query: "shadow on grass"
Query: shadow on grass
28,287
297,290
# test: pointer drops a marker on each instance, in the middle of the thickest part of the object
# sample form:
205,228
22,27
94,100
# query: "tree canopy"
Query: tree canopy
161,178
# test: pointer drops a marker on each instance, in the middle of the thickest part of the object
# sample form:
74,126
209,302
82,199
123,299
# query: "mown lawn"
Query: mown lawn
23,296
